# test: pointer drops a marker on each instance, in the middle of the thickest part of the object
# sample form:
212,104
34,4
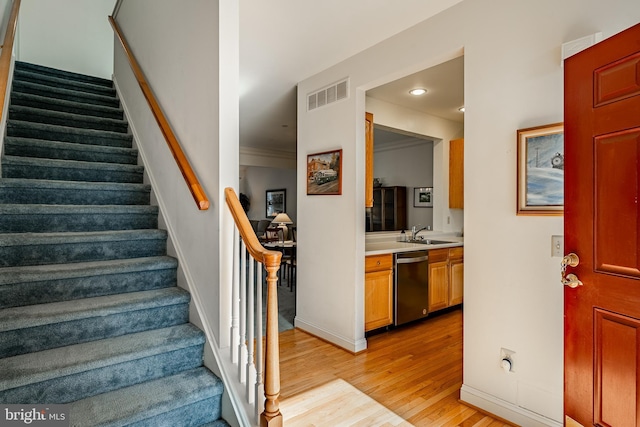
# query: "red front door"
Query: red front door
602,226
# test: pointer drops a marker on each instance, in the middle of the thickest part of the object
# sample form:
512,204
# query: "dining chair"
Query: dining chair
272,234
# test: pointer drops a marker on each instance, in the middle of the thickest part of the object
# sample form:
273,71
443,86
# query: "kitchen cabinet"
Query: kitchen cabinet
378,291
456,173
389,210
456,276
368,161
445,277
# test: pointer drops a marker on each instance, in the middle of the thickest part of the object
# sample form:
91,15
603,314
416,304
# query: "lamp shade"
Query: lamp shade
282,218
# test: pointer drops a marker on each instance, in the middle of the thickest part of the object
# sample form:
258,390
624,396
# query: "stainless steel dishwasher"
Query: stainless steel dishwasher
411,286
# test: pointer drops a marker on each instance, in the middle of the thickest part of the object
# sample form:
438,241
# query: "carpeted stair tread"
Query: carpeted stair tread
54,104
31,218
30,147
39,115
70,170
40,284
43,191
44,326
50,80
21,128
153,403
65,311
90,311
21,249
66,94
37,273
107,355
42,69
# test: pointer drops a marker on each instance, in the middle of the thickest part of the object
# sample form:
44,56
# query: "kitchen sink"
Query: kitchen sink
429,242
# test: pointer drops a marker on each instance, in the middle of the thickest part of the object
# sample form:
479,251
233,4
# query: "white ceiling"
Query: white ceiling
283,42
445,90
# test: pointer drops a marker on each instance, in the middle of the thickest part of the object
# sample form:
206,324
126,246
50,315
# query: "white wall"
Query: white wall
180,48
5,12
513,80
72,35
408,165
255,181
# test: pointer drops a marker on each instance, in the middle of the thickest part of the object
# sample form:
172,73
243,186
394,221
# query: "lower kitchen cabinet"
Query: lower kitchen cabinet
456,276
378,291
445,278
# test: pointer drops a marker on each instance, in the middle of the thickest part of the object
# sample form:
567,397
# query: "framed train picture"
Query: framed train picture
324,173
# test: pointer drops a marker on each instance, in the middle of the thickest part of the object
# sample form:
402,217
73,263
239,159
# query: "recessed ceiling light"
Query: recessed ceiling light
461,109
418,91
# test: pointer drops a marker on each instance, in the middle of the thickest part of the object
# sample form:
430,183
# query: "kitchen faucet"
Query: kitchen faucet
414,232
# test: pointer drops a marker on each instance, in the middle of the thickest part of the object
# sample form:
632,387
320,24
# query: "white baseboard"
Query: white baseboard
347,344
504,409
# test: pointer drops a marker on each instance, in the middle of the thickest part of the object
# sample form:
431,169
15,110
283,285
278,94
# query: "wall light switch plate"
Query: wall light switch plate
557,246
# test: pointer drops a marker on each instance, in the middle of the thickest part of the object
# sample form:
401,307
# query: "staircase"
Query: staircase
90,314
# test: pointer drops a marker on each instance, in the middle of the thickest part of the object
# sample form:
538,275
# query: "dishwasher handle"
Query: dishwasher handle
411,260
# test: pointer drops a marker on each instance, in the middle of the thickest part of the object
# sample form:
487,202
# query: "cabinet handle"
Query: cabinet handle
378,263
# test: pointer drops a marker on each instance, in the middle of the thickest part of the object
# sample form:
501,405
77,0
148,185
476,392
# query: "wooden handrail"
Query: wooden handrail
7,49
255,248
271,416
183,164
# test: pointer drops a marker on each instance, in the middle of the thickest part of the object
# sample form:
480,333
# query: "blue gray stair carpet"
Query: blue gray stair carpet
90,313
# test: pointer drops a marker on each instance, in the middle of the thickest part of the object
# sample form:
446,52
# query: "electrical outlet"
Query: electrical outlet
507,359
557,246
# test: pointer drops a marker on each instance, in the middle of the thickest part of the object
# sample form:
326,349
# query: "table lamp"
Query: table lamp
282,219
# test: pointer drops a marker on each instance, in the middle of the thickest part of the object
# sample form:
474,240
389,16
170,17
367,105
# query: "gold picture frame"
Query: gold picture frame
540,170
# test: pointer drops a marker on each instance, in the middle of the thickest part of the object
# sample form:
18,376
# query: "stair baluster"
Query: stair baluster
251,260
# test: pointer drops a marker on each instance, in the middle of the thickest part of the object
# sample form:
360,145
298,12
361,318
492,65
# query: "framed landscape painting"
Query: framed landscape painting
541,170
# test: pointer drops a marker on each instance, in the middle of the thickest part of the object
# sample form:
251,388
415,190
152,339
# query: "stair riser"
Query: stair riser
196,414
75,96
56,335
92,382
21,195
70,174
75,121
63,134
27,76
57,151
47,71
50,223
46,291
22,255
27,100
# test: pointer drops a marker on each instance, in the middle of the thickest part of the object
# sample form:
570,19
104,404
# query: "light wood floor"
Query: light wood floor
414,372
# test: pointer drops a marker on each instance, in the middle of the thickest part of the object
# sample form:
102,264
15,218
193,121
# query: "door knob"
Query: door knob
570,280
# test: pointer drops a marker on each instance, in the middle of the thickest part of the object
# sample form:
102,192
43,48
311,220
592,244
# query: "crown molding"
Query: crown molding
400,144
251,156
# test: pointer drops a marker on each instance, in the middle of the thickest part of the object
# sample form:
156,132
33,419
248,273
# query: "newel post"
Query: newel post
271,416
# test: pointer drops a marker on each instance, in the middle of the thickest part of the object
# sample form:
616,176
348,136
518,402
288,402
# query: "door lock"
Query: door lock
570,280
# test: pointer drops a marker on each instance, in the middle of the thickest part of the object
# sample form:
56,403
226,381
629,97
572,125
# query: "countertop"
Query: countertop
390,243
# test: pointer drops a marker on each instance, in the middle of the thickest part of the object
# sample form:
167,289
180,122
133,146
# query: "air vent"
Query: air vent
328,95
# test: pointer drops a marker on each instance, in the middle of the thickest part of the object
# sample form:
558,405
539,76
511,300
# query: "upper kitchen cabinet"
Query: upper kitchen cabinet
456,173
368,161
